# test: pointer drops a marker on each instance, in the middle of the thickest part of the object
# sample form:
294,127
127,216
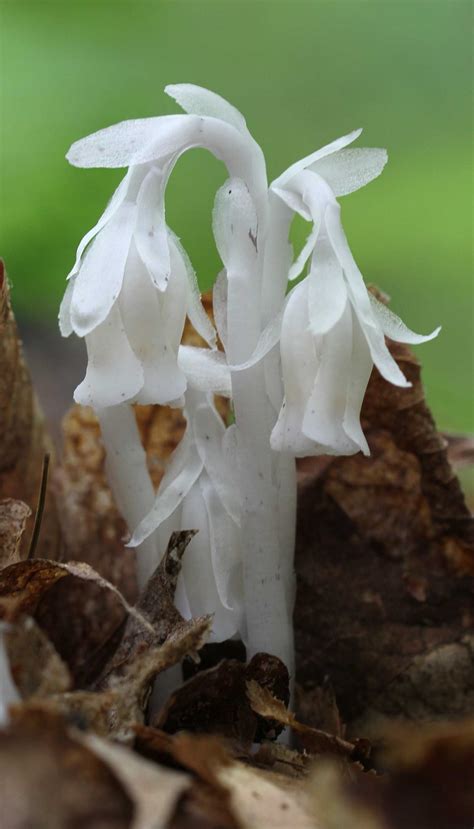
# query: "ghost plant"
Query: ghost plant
295,365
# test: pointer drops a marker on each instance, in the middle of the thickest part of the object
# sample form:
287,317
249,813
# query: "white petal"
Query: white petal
226,554
154,324
349,170
209,432
206,370
64,317
326,406
381,356
8,691
394,328
99,281
308,248
113,205
200,584
358,290
196,313
293,200
114,373
333,147
267,340
327,292
361,369
121,145
195,100
235,226
151,235
183,471
299,365
219,305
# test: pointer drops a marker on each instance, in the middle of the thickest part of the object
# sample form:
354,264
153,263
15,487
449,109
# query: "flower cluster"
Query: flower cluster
295,365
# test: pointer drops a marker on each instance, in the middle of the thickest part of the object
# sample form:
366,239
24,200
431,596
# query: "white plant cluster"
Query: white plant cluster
295,365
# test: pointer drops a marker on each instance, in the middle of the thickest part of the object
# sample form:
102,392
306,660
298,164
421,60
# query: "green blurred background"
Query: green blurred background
302,73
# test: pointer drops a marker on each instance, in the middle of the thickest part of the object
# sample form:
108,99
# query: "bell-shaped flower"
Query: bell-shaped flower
199,491
8,691
333,330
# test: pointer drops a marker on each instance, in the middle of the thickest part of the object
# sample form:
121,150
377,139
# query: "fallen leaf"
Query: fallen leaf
385,566
13,518
36,668
23,437
214,701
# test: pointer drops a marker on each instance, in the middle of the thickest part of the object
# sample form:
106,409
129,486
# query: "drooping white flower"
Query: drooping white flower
199,491
333,331
8,691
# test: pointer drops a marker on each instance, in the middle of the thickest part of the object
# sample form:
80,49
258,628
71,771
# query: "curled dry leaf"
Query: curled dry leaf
214,701
313,740
23,437
13,518
37,669
385,564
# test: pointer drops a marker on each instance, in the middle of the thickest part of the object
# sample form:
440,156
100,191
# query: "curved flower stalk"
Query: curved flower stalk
200,491
333,330
8,692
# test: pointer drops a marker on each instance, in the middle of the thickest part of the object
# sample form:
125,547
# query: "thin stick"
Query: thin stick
39,507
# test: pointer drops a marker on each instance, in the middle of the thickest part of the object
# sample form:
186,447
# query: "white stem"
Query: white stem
265,482
129,479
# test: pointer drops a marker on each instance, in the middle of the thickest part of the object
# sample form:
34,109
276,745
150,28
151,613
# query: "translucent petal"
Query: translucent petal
293,200
349,170
235,226
154,324
309,160
219,305
299,365
308,248
198,575
99,281
151,234
226,554
121,144
64,317
327,292
113,205
196,313
381,355
114,373
209,433
361,369
394,328
337,237
206,370
326,406
195,100
183,471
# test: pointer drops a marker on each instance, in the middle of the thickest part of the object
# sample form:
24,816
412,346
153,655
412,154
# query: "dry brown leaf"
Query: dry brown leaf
13,518
214,701
48,780
23,437
37,669
385,565
313,740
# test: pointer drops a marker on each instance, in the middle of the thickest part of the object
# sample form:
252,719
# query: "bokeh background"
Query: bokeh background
303,73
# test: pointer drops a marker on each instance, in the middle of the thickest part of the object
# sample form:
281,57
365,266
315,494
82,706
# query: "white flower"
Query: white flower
8,691
333,330
199,491
130,290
